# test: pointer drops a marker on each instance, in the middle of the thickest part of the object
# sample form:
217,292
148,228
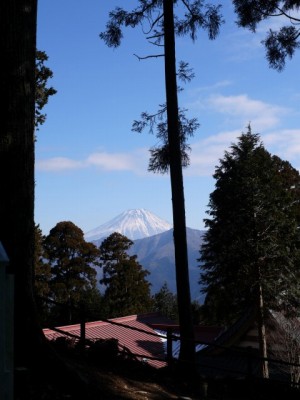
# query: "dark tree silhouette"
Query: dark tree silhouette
166,302
18,33
127,290
251,250
73,262
282,43
42,91
163,28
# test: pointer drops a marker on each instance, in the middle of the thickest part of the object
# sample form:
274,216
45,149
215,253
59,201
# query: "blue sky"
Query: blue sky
90,166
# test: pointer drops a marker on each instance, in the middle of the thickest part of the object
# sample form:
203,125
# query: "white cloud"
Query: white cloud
246,45
206,153
57,164
135,161
214,86
276,23
242,109
239,110
284,143
111,161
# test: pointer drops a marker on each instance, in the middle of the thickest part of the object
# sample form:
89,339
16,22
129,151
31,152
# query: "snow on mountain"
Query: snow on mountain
134,224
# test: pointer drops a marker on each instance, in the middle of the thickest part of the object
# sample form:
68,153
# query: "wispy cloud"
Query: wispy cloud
286,142
212,87
111,161
246,45
206,153
134,161
239,110
244,110
275,23
57,164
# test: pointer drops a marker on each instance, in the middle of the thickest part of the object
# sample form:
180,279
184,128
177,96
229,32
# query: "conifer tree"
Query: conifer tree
42,277
18,46
166,302
42,91
72,261
127,290
164,25
250,253
42,270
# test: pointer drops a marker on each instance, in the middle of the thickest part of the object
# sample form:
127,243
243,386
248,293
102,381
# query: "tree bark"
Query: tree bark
187,349
262,331
18,26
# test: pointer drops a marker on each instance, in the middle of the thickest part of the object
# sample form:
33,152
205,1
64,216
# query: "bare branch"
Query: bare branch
152,23
292,19
280,13
151,56
157,36
156,44
187,6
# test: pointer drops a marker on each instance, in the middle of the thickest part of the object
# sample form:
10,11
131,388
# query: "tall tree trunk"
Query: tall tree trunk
187,350
18,26
262,330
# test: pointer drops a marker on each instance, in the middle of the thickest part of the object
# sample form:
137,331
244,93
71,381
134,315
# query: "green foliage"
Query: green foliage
127,291
166,302
282,43
92,305
42,277
197,15
42,92
72,261
253,231
160,155
197,313
42,270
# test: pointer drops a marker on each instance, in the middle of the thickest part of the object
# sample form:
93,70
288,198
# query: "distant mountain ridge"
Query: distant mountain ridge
134,224
156,254
154,247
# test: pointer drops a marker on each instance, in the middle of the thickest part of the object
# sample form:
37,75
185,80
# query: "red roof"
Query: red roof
144,339
138,342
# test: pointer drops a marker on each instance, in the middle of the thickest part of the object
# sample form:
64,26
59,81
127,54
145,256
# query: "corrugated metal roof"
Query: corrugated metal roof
145,343
143,335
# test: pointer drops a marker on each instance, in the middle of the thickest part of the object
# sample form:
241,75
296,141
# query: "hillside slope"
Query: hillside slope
156,254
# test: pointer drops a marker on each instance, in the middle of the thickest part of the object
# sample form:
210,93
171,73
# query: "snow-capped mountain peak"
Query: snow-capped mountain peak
134,224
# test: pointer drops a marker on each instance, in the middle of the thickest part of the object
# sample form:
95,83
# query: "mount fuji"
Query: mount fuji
154,247
134,224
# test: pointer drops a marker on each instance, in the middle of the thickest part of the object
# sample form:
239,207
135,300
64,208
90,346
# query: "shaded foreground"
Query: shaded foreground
74,376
